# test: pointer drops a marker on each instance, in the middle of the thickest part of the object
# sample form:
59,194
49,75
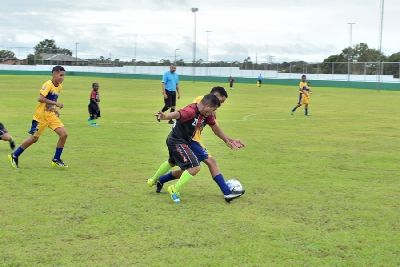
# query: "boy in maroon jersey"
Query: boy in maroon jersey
93,107
188,121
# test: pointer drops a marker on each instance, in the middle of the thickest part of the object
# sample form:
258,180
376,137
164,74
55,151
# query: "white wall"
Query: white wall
204,71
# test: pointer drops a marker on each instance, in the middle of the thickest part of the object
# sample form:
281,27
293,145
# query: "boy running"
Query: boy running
46,115
188,120
304,99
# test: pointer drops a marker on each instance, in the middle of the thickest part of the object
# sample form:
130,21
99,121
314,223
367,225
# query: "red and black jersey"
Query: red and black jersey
95,96
189,122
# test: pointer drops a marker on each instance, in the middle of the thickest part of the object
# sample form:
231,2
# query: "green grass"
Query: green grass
321,190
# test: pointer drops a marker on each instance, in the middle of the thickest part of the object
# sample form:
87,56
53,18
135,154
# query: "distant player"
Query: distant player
47,115
231,80
5,136
203,156
188,120
259,80
304,99
170,89
302,84
93,107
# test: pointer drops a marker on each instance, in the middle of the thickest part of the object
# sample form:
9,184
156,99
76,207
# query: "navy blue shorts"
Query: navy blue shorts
200,151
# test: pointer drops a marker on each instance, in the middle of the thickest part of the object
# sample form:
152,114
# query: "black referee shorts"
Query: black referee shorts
171,99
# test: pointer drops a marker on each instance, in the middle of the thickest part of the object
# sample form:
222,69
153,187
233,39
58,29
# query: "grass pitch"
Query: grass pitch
321,190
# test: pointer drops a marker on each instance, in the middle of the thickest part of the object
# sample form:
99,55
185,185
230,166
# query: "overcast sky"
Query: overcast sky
309,30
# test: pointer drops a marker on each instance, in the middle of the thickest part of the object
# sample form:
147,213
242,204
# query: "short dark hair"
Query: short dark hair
211,100
57,69
220,90
94,84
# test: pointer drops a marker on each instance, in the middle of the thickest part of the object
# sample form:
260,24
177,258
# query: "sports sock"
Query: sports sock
185,177
18,152
166,178
294,109
172,109
59,150
306,111
165,108
164,167
219,179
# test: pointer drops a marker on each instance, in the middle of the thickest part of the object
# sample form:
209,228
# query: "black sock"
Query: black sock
172,109
294,109
306,111
165,108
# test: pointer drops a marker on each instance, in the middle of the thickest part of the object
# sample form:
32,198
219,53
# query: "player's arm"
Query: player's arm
230,142
43,99
170,116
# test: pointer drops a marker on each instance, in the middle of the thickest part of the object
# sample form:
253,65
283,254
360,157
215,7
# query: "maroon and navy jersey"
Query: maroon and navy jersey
189,122
94,95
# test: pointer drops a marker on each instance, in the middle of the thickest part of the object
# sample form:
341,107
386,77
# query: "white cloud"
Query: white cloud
310,29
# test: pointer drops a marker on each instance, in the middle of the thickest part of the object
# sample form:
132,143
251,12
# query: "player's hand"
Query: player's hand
165,95
160,116
234,144
60,105
179,96
57,112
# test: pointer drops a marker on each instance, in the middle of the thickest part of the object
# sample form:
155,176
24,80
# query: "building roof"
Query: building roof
60,57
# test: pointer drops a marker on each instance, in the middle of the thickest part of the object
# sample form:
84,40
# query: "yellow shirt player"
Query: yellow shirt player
46,116
202,155
304,97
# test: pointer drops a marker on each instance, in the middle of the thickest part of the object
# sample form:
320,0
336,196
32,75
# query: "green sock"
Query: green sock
163,169
185,177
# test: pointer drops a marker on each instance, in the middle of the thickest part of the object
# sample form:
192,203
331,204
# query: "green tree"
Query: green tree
49,46
6,54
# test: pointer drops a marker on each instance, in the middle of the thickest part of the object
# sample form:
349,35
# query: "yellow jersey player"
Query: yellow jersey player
203,156
304,99
47,115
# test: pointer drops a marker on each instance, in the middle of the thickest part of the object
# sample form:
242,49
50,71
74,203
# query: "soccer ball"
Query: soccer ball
234,184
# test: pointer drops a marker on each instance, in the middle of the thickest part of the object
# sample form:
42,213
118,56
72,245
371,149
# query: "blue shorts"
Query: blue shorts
200,151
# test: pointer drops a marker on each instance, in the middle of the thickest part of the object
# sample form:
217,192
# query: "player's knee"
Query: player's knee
210,161
35,139
64,135
193,171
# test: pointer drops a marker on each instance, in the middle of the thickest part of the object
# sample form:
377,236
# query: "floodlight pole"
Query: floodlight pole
76,54
207,32
349,52
175,56
194,10
380,43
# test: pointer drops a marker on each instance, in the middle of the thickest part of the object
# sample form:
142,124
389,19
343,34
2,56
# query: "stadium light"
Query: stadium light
194,11
349,52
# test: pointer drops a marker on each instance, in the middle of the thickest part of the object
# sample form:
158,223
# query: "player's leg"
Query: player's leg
306,109
229,195
5,136
62,138
36,130
169,176
188,162
296,107
163,169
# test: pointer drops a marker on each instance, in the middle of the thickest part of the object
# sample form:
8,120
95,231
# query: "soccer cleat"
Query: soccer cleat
12,145
159,186
174,194
151,182
171,122
13,161
234,194
59,163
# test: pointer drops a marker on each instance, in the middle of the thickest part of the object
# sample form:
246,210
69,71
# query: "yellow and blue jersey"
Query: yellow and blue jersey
51,92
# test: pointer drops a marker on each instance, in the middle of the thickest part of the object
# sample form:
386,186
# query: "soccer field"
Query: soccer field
320,190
